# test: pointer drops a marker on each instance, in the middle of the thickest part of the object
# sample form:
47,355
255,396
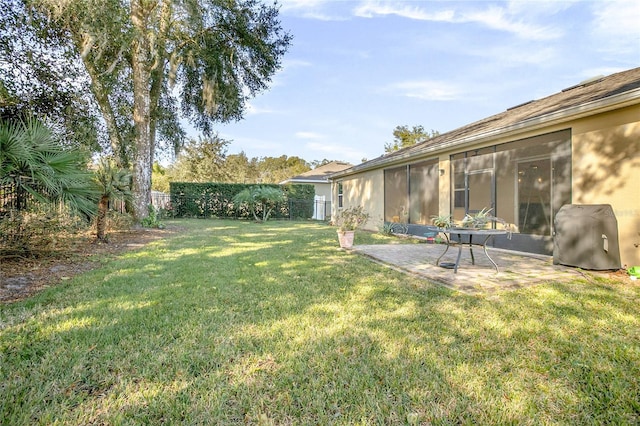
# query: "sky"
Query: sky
357,69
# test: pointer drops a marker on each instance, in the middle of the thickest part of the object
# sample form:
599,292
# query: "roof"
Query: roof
320,174
589,97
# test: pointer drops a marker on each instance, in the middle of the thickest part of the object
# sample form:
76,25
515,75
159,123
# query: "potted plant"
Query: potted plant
442,221
347,221
478,220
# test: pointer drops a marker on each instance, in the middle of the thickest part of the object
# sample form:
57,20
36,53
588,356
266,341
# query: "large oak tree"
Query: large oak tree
40,77
152,61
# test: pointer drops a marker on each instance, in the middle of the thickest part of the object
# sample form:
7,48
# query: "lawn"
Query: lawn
234,322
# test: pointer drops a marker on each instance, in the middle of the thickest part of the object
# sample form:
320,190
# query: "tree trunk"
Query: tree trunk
157,70
117,145
102,99
141,74
255,215
101,218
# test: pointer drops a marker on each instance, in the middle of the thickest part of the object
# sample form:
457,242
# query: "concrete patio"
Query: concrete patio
516,270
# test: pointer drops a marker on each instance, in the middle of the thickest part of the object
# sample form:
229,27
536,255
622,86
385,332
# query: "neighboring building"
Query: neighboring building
579,146
319,178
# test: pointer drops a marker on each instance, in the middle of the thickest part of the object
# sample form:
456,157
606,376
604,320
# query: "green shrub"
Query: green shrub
152,220
260,199
386,228
216,200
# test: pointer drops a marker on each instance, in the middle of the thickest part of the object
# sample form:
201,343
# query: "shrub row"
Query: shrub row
216,200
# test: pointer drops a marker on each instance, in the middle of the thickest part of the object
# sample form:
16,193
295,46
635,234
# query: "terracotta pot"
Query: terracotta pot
346,238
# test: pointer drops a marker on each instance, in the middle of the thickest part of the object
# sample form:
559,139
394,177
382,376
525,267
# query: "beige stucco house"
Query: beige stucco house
319,178
579,146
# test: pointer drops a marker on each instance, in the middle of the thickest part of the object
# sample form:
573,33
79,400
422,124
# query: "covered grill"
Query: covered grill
586,236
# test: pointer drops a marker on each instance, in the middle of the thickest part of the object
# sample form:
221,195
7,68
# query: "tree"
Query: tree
40,78
277,169
201,160
113,183
36,164
210,56
206,161
257,198
240,169
264,169
316,163
160,179
404,137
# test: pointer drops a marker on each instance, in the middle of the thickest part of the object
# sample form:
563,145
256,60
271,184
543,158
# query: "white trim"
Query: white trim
309,181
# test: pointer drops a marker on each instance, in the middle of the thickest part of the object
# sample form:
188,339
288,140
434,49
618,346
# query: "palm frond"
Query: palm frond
34,161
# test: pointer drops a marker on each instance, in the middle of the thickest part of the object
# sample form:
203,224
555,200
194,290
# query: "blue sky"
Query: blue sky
357,69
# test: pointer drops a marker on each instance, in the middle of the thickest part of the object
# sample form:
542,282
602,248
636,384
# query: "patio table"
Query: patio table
484,237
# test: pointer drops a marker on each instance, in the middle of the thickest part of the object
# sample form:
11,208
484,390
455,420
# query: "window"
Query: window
533,180
459,183
340,194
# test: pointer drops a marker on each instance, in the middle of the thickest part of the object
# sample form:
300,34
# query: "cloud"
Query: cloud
301,4
517,55
254,110
429,90
309,135
310,9
288,64
371,9
616,26
498,18
494,17
252,146
540,8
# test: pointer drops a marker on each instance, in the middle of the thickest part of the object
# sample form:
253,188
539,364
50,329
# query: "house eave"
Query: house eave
302,181
626,99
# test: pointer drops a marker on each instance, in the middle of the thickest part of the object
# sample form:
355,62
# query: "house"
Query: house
579,146
319,178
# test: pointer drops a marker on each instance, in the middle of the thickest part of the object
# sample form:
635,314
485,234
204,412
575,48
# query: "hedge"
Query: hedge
215,200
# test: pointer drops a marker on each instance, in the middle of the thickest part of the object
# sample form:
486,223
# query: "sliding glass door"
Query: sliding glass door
534,196
524,182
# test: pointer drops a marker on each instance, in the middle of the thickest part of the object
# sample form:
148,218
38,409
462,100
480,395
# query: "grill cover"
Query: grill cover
586,236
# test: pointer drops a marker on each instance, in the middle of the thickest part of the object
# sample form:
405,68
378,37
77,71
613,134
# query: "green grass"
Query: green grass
234,323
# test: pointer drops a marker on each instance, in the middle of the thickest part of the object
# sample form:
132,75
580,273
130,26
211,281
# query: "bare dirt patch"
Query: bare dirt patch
22,277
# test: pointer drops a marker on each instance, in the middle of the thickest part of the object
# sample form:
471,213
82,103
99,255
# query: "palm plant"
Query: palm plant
477,220
442,221
260,196
113,183
38,166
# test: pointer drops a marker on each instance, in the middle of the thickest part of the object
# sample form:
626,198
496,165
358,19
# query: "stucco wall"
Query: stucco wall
444,183
323,189
365,190
606,170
